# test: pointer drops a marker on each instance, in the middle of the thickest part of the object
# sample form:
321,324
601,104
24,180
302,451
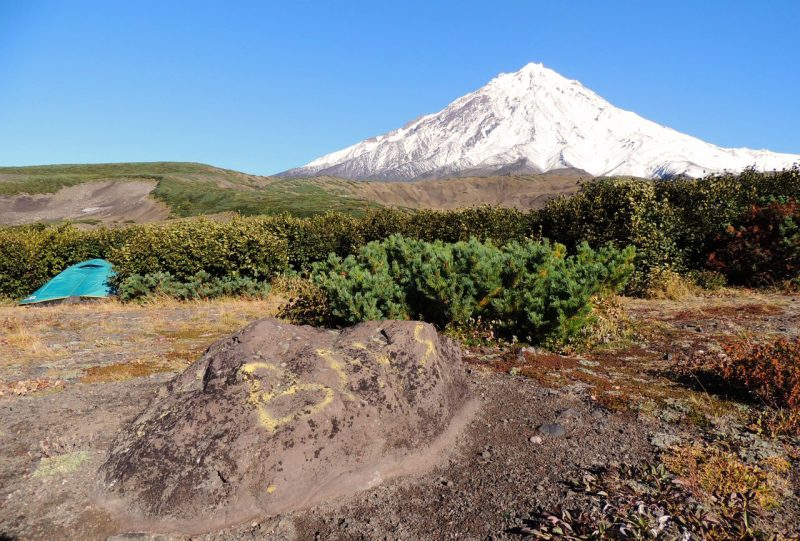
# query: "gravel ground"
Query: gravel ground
544,420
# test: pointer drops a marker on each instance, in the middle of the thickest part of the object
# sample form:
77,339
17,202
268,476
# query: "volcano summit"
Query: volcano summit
534,121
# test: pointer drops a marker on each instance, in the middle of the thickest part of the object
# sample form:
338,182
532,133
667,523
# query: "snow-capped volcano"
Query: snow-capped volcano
535,120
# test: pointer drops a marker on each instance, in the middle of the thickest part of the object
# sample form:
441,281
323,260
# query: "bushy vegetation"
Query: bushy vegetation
684,227
621,212
201,286
674,224
695,493
530,290
761,248
31,255
239,247
769,371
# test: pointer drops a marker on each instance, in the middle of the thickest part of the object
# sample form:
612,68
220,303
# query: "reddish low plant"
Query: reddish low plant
770,371
763,248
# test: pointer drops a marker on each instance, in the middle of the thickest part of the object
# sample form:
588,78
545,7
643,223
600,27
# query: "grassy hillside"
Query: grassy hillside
190,189
50,178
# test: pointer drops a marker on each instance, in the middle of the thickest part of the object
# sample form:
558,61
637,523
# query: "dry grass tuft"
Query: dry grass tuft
78,340
23,341
669,285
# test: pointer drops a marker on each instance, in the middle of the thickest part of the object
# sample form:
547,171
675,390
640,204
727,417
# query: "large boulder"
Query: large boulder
277,417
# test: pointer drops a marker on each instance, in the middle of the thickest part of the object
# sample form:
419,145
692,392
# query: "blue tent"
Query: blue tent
85,279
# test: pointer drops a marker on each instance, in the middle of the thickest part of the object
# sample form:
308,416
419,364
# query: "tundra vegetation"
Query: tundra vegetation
467,265
496,279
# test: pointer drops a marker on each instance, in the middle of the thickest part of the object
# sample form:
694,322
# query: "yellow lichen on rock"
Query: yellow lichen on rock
261,399
61,464
427,342
335,365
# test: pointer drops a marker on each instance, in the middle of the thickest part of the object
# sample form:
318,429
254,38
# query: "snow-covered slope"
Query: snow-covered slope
535,120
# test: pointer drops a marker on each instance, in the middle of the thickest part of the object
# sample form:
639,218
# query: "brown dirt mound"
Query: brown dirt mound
277,417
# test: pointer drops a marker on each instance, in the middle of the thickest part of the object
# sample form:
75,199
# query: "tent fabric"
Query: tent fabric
85,279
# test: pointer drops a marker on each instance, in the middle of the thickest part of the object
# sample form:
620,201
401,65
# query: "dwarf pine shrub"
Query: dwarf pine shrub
531,290
200,286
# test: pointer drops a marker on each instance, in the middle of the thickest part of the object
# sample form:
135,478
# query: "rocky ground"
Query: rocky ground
614,436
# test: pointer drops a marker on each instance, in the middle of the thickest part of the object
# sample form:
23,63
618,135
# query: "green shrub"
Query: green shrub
201,286
532,290
311,239
307,303
239,247
705,207
31,255
622,212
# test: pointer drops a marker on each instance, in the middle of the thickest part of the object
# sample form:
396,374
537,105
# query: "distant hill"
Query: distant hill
148,192
145,192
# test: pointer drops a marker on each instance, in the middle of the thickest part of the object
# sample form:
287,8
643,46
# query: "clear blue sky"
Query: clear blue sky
264,86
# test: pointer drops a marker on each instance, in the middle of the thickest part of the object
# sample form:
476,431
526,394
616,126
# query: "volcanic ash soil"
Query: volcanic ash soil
278,417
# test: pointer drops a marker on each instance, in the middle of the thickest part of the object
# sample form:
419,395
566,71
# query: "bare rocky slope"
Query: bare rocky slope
553,433
105,201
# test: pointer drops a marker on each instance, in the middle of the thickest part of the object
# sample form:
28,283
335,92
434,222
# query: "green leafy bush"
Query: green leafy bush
705,206
307,303
239,247
201,286
312,239
31,255
622,212
532,290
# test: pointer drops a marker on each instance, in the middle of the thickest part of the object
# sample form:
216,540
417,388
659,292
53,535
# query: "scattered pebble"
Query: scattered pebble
553,429
568,414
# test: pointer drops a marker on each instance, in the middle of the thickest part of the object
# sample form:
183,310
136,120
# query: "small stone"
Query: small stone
486,455
536,439
664,441
553,429
568,414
